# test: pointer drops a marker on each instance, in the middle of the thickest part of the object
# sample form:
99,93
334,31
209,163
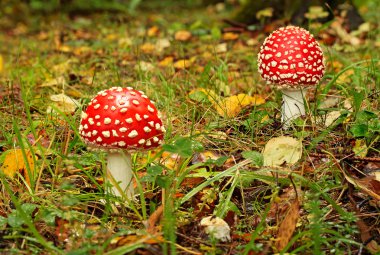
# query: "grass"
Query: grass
60,211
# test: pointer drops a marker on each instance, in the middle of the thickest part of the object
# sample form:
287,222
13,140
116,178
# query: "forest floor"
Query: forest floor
310,189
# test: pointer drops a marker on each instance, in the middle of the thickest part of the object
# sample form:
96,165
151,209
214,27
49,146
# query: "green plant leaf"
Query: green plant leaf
184,146
359,130
256,157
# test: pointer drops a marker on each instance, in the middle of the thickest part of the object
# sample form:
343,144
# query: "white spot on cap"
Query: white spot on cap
158,126
105,107
91,121
97,116
151,123
107,120
155,139
274,63
147,129
123,109
141,141
278,54
85,126
150,109
114,133
132,93
80,127
98,124
113,108
106,134
148,143
119,89
138,117
94,132
84,115
133,134
146,116
129,120
96,106
123,129
99,139
111,97
144,96
298,56
163,129
117,122
135,102
121,143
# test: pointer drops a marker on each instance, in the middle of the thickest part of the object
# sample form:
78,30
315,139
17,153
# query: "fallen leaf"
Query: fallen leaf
230,36
217,228
182,64
232,106
148,48
360,149
182,35
282,150
162,44
14,162
153,31
154,218
221,48
63,103
144,66
287,226
58,81
368,185
1,63
166,62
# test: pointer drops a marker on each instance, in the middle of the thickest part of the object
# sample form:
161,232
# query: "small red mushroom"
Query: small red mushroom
120,120
292,59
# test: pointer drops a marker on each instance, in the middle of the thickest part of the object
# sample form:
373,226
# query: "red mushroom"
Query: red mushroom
121,120
292,59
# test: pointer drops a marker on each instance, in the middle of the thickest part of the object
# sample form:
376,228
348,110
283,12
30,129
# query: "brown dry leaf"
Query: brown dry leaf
131,239
231,106
182,35
154,219
230,36
288,225
14,162
368,185
153,31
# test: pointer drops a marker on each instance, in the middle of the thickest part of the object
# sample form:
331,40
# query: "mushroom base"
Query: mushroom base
119,174
292,106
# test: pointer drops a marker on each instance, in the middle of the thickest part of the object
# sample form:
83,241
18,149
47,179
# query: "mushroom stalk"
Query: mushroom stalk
292,106
119,174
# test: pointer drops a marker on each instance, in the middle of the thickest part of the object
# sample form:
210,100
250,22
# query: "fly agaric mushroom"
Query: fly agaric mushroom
292,59
121,120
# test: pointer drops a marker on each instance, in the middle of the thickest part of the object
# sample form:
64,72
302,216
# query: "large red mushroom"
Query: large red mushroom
120,120
292,59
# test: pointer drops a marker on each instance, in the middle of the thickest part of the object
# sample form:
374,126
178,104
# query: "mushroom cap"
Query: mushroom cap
291,57
121,118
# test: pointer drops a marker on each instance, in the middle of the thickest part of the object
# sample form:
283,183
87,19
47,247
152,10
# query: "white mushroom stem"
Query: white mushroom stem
292,106
119,174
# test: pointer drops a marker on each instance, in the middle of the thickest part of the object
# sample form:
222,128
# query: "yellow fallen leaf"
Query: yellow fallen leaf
231,106
148,48
182,35
201,94
230,36
14,162
1,63
166,61
182,64
63,103
282,150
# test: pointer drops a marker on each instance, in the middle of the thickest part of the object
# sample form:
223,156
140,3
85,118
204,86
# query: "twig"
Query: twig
340,157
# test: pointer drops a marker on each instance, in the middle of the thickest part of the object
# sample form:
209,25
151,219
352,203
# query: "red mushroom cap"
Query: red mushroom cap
291,57
121,118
